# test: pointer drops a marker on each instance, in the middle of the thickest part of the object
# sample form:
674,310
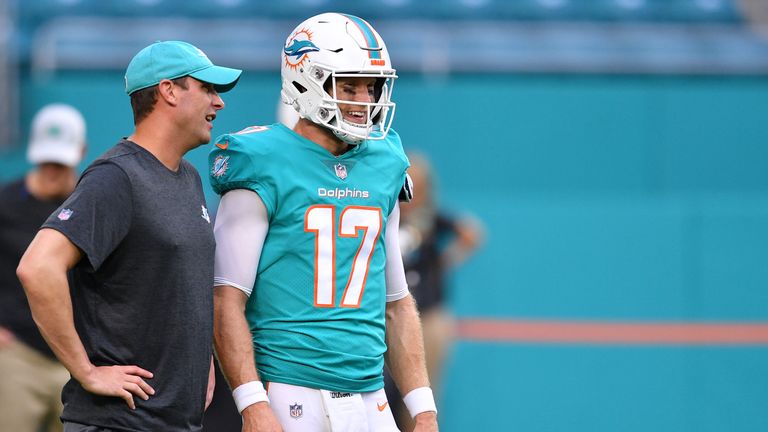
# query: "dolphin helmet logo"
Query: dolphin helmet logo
299,45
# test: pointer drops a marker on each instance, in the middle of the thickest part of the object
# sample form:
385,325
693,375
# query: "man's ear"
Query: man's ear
166,90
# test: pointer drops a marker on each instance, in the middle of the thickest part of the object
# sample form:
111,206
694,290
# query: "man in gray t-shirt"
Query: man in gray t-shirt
133,324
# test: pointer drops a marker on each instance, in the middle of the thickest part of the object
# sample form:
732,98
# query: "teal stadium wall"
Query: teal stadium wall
605,199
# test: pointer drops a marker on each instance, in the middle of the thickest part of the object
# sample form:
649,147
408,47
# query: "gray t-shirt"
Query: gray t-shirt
142,294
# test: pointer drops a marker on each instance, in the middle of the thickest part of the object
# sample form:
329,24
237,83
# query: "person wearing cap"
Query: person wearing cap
136,238
30,391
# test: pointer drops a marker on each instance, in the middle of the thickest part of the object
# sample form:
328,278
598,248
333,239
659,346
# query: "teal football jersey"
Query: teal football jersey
316,312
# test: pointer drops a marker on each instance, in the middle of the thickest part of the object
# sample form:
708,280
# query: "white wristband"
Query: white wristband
248,394
420,400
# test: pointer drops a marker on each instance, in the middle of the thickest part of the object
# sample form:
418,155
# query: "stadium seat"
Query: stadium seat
235,9
44,9
146,8
696,10
520,10
373,10
617,10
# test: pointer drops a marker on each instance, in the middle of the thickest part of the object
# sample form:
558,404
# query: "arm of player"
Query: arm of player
405,347
405,354
240,230
234,349
43,274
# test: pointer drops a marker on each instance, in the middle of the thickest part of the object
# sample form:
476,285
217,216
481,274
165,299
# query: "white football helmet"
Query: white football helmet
330,46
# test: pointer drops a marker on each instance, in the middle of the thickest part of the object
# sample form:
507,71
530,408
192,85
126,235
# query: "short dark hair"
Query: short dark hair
143,101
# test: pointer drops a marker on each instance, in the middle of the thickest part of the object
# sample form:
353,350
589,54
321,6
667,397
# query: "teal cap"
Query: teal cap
175,59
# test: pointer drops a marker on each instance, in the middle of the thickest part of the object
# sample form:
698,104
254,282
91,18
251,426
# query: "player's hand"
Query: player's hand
426,422
260,418
124,382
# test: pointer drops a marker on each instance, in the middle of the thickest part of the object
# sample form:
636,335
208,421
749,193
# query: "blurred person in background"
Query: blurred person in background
31,378
432,242
135,326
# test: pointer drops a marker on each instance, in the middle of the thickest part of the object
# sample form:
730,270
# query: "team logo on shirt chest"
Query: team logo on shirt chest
205,214
341,170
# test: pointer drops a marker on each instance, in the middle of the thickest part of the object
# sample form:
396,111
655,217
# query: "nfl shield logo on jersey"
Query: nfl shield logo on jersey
296,410
341,171
65,214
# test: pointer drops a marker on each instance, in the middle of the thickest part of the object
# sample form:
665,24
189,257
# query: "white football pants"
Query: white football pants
302,409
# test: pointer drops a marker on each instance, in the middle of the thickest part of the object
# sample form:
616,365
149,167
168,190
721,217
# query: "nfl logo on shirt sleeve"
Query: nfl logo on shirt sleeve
65,214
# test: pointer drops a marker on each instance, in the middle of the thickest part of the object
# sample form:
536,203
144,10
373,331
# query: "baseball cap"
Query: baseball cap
58,135
175,59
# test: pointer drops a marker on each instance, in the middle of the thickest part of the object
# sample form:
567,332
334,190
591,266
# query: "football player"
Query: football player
308,269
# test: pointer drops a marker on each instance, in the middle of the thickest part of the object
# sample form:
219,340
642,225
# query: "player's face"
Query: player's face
355,90
201,103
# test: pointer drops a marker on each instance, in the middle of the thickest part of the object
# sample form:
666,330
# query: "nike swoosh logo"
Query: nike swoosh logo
222,146
381,407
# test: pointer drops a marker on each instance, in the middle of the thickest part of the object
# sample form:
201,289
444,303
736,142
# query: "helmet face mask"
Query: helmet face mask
319,52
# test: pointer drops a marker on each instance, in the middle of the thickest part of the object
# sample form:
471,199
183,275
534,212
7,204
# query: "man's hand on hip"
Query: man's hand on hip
119,381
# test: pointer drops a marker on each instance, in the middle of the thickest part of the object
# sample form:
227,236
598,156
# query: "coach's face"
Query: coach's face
199,103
